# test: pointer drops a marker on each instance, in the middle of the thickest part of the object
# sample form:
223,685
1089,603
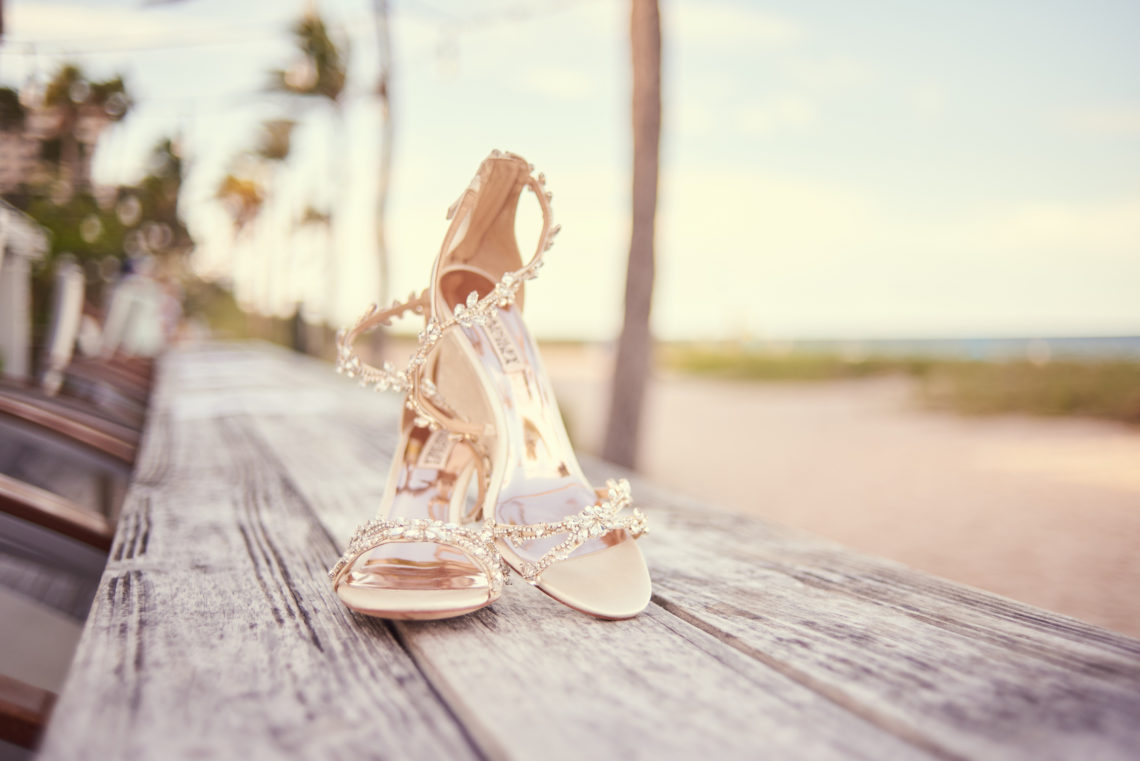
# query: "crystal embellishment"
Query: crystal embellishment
594,521
475,311
478,544
430,410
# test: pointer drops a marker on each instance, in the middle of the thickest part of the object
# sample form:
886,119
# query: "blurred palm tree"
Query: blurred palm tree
320,73
158,195
276,140
383,92
272,151
78,99
635,345
243,195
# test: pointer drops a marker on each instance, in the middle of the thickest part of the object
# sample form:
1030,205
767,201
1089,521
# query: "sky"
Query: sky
828,170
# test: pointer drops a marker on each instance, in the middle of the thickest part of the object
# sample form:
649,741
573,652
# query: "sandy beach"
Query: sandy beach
1046,511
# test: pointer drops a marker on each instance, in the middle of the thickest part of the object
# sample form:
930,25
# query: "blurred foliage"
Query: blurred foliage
76,97
116,222
276,139
1092,388
98,227
322,69
86,224
79,227
314,216
244,189
69,88
243,195
215,304
12,111
1103,389
732,362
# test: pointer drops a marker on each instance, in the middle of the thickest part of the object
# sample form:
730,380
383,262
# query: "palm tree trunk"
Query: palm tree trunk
335,167
384,171
635,346
69,149
384,43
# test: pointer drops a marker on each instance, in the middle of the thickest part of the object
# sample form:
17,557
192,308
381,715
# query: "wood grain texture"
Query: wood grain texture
567,686
215,633
962,673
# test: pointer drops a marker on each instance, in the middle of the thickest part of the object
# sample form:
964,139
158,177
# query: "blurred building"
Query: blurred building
22,243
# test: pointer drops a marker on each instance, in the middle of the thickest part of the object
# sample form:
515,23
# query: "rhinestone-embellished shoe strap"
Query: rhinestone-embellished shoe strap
349,362
423,398
592,522
387,377
476,544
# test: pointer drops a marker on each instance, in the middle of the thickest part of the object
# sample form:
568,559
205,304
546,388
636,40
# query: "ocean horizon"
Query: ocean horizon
1036,348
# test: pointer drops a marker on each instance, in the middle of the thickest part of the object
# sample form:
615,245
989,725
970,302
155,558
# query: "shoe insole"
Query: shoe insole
542,481
430,477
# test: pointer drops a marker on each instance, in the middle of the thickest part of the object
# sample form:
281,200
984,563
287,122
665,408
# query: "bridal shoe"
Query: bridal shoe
491,393
426,556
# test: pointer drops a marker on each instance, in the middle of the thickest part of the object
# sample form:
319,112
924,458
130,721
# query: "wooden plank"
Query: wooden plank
565,685
65,470
909,653
24,711
62,589
88,431
654,687
964,673
215,632
54,513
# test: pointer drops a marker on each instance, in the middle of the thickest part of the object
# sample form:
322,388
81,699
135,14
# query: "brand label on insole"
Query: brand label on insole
503,344
435,451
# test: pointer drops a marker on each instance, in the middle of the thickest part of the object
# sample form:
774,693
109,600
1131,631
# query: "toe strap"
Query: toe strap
478,544
596,520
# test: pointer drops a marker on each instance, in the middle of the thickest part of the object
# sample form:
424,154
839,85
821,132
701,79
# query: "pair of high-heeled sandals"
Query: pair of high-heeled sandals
480,419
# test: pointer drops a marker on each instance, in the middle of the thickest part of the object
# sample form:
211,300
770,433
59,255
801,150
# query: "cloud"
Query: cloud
1122,120
724,24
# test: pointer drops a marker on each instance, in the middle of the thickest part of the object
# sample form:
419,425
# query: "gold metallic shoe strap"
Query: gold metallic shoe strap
592,522
476,544
348,362
536,183
423,398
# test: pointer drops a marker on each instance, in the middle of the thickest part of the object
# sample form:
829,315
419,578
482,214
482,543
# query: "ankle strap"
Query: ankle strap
422,397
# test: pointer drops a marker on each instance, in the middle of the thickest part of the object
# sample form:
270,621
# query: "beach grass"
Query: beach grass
1100,388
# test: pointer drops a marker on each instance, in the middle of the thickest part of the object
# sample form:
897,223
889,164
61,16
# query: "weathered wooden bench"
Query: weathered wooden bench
215,633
